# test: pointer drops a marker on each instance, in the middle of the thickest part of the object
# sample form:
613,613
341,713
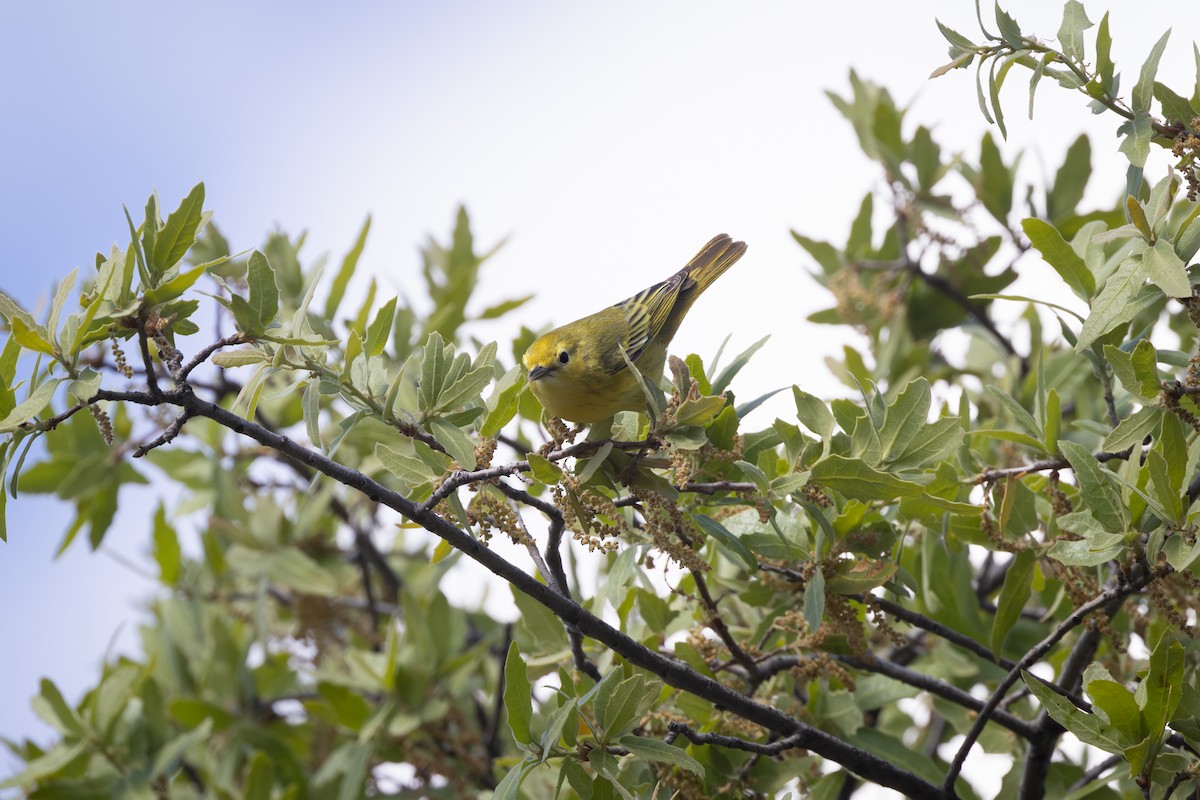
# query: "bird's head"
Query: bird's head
554,354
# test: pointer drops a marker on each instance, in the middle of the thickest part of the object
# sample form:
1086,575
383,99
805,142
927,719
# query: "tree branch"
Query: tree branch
204,354
1078,616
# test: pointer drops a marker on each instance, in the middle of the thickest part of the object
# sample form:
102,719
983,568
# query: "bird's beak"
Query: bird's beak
539,372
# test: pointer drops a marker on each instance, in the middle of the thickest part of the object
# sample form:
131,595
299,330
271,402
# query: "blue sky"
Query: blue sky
610,141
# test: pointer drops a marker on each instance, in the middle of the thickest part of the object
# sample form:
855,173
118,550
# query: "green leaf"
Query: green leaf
1163,683
113,695
310,403
1137,132
856,480
1137,371
287,566
1070,181
826,255
410,469
379,330
727,539
1061,256
175,287
1053,421
466,387
1143,91
31,406
1165,490
457,444
171,753
995,181
264,294
340,281
31,337
61,293
505,402
1070,33
722,381
544,470
699,411
1166,269
655,750
906,417
1111,306
1104,62
1134,428
813,413
1096,487
433,371
500,309
1096,549
1019,412
518,695
1009,30
179,232
1118,705
166,547
625,705
53,709
1089,728
1017,584
136,247
858,576
814,600
46,765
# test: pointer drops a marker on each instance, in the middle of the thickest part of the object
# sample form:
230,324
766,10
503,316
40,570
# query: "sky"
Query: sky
607,142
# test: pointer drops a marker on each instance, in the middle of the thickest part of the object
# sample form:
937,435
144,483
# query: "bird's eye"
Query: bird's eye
564,357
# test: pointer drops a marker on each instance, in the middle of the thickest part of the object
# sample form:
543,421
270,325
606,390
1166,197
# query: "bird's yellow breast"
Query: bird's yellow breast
583,399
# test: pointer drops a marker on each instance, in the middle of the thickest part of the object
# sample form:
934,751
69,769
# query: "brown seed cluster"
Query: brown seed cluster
1186,149
491,512
103,422
119,359
593,520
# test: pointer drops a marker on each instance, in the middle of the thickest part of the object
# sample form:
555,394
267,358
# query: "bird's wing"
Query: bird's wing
648,311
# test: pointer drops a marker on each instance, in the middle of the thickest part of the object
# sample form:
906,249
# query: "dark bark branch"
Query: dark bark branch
1042,744
205,354
717,623
1066,626
920,680
151,377
53,422
993,475
167,435
553,562
774,748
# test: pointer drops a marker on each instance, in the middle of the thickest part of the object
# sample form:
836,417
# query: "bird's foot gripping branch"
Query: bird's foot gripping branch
989,540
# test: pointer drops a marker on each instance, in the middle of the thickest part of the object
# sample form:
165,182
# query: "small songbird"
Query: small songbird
578,372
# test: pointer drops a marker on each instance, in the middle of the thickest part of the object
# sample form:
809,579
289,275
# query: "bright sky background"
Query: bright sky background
609,141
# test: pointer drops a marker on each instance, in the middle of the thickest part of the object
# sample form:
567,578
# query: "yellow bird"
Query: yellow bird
577,371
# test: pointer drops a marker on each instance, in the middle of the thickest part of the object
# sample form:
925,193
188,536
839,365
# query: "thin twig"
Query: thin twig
204,354
151,378
167,435
53,422
553,563
677,729
779,663
717,623
993,475
1095,772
